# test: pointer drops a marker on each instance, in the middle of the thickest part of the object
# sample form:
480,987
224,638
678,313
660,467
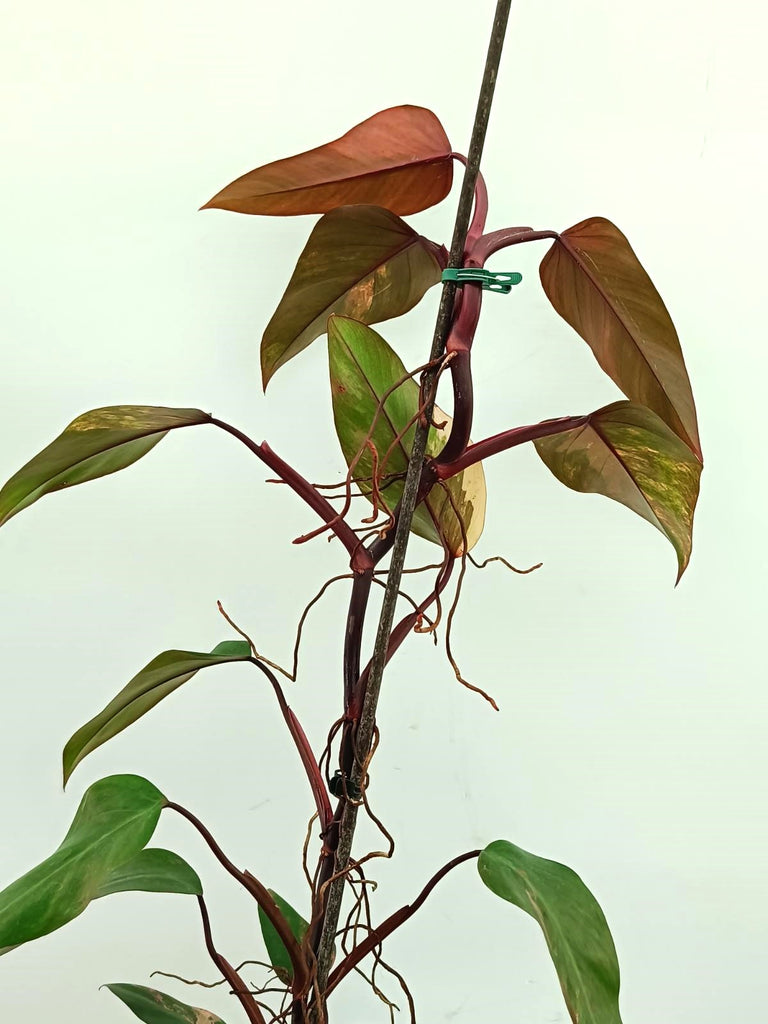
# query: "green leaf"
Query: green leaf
164,674
597,284
115,820
152,870
363,367
627,453
97,443
278,954
155,1007
577,935
360,261
399,159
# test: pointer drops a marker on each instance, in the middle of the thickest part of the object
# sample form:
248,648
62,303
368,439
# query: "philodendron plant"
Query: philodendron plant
364,264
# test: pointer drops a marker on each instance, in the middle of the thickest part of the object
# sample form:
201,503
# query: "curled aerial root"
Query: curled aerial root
498,558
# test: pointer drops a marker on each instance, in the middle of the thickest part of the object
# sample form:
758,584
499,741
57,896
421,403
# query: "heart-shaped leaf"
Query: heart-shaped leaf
597,284
363,368
97,443
577,935
626,453
360,261
399,159
155,1007
278,954
115,820
164,674
153,870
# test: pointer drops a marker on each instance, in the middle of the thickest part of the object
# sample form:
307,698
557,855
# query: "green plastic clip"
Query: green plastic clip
501,281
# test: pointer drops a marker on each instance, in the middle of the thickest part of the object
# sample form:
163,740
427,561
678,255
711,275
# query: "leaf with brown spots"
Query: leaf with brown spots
154,1007
360,261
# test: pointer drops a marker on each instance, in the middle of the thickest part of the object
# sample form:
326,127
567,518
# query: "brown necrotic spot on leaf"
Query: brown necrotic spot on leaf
359,261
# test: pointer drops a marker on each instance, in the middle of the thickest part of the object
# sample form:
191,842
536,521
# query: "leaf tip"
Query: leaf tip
682,565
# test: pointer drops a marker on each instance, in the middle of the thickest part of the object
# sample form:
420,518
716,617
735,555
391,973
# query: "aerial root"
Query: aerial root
498,558
455,604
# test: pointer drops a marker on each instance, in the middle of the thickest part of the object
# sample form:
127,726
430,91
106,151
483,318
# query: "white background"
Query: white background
630,744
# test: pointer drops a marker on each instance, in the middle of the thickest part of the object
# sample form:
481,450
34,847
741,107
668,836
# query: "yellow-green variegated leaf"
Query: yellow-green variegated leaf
627,453
97,443
363,367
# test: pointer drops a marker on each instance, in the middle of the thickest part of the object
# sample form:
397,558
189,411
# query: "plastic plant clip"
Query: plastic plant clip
499,281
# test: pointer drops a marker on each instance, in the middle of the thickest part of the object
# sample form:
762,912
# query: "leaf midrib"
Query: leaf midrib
576,257
393,168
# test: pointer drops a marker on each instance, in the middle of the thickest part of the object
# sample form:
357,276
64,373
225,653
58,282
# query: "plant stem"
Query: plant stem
377,935
252,1011
360,560
299,737
411,489
505,440
488,244
259,893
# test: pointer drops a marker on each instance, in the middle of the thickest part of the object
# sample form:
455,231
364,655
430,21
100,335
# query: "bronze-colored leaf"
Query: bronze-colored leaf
627,453
400,159
360,261
597,284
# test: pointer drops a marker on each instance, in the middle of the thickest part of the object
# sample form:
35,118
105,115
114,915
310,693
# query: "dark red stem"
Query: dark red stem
507,439
261,894
360,559
459,345
308,759
480,211
228,972
487,245
377,935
